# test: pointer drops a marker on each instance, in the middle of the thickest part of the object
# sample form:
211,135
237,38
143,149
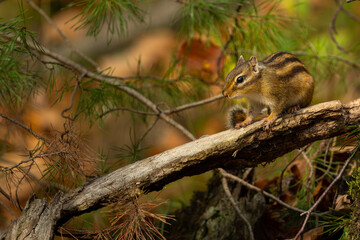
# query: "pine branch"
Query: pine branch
66,39
316,204
113,16
115,83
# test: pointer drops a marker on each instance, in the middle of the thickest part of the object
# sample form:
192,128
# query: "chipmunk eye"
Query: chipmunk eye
239,79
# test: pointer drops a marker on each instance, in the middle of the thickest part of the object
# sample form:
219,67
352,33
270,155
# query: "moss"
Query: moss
353,226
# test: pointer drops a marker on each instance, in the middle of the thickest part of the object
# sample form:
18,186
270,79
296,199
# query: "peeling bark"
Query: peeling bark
38,220
246,147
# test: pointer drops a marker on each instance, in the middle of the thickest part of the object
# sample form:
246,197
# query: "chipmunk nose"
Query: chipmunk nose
224,93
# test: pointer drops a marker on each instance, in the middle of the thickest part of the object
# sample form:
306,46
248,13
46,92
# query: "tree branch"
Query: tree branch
338,177
253,145
252,187
332,27
232,201
25,127
70,64
119,85
66,40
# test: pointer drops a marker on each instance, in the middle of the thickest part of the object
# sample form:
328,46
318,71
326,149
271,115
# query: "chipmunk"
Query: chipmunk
279,83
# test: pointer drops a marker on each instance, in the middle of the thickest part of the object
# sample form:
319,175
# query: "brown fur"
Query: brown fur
279,82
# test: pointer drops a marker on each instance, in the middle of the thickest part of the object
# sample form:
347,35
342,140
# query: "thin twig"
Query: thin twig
8,197
78,82
149,129
356,18
308,212
309,178
288,164
245,175
194,104
25,127
346,61
126,109
153,107
66,40
9,180
7,169
317,151
330,161
8,209
232,201
25,176
228,41
117,84
160,79
252,187
332,26
170,111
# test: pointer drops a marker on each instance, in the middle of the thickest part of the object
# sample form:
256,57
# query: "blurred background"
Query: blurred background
178,66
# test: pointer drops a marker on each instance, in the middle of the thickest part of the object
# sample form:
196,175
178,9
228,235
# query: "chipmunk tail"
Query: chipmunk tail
236,115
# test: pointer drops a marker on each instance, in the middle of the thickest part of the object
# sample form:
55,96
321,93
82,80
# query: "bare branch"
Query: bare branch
332,26
152,106
321,121
228,41
170,111
308,212
28,129
66,40
288,164
194,104
126,109
310,177
330,160
253,145
119,85
8,209
8,197
72,98
232,201
155,78
356,18
31,159
346,61
252,187
68,63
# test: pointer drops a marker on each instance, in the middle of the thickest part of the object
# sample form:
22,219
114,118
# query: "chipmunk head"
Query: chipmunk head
240,81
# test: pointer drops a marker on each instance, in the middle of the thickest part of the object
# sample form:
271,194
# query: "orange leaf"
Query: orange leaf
201,59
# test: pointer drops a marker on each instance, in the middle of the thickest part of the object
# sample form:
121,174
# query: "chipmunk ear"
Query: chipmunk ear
241,60
254,64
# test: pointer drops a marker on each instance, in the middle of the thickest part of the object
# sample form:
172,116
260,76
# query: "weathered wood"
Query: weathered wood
37,220
241,148
250,146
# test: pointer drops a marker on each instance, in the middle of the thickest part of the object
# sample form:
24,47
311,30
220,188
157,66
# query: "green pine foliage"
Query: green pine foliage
19,76
112,15
199,16
238,27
